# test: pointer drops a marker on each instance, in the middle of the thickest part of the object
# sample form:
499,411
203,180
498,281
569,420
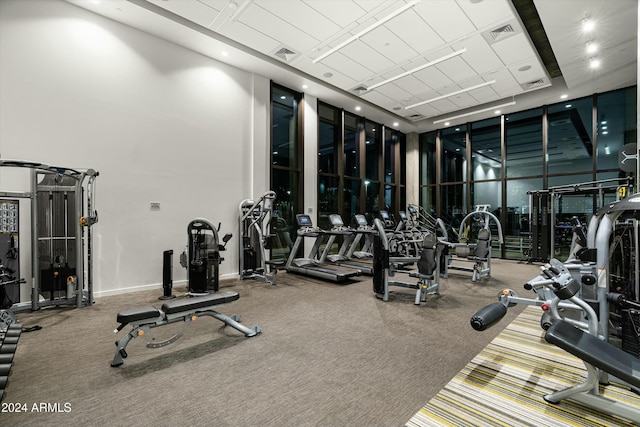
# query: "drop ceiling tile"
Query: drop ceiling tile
346,65
367,56
276,28
369,5
484,94
463,100
249,37
446,18
433,77
480,56
379,99
218,5
410,28
486,13
411,85
443,105
514,49
456,69
393,92
528,70
341,12
389,45
302,16
426,110
506,84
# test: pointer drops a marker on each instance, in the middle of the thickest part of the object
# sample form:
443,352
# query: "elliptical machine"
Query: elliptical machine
202,257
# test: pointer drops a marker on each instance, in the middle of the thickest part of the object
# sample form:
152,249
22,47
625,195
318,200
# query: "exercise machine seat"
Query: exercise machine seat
427,263
483,244
595,352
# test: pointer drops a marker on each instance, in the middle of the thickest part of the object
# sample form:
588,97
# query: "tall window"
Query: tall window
570,138
286,165
329,143
352,195
516,158
428,175
394,180
486,163
373,157
454,173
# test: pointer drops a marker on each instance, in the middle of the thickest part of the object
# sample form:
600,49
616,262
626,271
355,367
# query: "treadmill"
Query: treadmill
311,266
364,265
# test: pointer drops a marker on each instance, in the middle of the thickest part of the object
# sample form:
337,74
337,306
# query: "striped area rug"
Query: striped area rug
504,385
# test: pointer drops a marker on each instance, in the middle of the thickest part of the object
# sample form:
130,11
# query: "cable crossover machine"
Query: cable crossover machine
62,205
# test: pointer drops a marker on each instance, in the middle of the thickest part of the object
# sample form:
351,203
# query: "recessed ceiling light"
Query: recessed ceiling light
568,106
447,123
525,68
327,75
224,53
591,47
564,96
588,25
396,124
594,63
358,108
304,86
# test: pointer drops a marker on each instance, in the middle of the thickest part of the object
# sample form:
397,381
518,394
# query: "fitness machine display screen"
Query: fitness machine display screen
361,220
384,215
335,220
304,221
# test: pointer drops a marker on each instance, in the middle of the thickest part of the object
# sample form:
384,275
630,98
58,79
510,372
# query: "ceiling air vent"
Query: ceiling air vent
415,117
284,53
501,32
534,84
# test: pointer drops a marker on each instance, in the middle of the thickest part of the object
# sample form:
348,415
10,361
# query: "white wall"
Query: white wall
158,122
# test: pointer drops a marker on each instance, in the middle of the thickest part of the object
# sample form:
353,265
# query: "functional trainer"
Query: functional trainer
187,310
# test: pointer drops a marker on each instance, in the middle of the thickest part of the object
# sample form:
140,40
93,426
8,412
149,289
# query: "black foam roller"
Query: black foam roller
487,316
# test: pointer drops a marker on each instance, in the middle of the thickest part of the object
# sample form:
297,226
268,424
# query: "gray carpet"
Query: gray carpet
329,355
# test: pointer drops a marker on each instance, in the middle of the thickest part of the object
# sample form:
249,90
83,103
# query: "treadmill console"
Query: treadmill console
412,210
361,220
304,220
336,221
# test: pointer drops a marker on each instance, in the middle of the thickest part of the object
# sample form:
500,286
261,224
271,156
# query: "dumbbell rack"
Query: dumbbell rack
8,343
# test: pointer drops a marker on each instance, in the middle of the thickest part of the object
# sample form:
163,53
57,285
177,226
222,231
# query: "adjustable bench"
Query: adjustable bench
595,353
142,319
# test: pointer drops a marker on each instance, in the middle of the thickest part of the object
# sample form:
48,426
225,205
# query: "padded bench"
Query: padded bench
142,319
596,354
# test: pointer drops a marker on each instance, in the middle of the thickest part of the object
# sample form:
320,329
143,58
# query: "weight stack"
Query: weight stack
631,332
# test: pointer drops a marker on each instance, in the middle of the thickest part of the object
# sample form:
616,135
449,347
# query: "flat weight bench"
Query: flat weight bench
143,319
595,353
